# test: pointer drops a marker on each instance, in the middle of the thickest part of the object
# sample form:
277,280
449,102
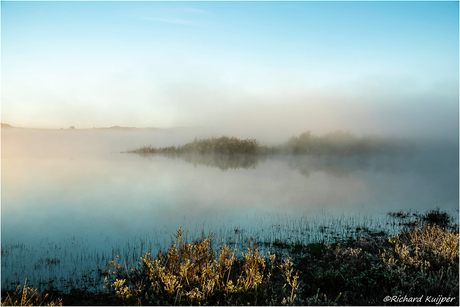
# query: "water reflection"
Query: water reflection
342,166
334,165
222,162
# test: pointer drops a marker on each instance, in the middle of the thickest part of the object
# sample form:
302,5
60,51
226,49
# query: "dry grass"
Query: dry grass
28,296
421,261
196,274
427,248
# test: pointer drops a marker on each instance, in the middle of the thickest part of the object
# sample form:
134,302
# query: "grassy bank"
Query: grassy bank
418,266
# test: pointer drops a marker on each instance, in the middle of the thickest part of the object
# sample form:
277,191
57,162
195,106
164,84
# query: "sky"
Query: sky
387,68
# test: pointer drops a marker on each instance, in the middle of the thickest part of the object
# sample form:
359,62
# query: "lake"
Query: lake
71,201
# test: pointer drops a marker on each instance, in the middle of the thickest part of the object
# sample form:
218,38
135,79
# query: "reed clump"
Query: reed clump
195,273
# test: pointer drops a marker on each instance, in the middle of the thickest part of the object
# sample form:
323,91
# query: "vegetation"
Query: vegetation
421,261
435,216
28,296
338,142
223,145
335,143
197,274
419,265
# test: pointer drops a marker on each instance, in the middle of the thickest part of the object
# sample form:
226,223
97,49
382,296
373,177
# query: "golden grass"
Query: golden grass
28,296
196,274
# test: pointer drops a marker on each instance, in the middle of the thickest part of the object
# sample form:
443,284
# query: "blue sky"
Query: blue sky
368,67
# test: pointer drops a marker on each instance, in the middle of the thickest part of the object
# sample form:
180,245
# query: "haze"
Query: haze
249,69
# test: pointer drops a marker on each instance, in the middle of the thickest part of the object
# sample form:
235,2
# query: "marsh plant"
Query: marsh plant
195,273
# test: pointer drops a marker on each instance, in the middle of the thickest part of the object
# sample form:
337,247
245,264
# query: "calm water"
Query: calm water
71,201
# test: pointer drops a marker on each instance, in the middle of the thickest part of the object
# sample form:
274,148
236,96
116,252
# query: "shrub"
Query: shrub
196,274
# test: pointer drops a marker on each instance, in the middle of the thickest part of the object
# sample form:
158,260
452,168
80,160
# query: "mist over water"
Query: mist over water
71,200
